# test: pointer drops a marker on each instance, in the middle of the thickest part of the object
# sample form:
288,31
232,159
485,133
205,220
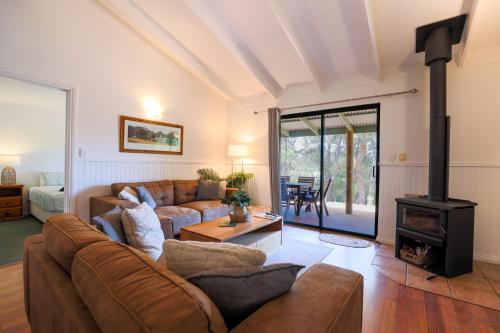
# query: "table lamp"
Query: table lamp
8,173
237,151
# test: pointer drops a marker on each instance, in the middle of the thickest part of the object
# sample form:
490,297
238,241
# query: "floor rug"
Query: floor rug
12,235
300,253
344,241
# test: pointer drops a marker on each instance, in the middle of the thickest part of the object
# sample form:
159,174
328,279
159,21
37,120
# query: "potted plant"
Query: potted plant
208,174
239,179
239,202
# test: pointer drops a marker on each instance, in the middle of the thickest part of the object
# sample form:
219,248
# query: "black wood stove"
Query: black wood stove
435,222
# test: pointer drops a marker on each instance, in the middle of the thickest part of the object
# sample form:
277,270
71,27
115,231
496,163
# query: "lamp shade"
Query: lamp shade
10,160
237,150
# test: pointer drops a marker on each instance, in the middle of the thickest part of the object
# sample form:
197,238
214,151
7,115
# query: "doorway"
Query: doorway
329,169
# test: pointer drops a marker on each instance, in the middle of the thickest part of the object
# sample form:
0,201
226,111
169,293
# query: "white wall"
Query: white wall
113,70
32,126
473,99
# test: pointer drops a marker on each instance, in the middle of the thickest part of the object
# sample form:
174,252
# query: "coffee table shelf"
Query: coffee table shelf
261,233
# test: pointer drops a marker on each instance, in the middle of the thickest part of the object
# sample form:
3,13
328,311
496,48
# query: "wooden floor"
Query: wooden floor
12,317
388,306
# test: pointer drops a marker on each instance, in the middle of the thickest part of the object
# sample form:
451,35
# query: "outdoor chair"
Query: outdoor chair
307,192
325,193
287,198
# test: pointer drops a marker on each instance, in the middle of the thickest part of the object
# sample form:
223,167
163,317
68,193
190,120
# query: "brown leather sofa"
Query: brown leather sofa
177,204
77,280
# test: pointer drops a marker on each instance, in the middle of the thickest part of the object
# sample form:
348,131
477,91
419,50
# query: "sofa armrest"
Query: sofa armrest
29,242
325,299
230,191
167,226
103,204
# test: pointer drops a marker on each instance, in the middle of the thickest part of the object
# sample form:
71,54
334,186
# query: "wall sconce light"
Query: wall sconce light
8,173
153,108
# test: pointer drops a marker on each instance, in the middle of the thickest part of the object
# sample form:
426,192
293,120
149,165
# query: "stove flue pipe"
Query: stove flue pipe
436,40
437,54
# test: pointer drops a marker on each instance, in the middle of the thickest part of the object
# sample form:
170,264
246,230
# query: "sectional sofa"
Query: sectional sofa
177,204
77,280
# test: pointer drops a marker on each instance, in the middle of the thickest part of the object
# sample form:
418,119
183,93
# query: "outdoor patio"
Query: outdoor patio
348,142
362,219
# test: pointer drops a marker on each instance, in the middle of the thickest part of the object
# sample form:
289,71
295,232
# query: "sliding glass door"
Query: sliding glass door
329,169
300,169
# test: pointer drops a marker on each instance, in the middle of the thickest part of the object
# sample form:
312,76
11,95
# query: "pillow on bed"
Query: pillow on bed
51,178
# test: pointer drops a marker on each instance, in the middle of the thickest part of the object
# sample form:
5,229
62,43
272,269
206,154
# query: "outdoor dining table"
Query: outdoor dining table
295,188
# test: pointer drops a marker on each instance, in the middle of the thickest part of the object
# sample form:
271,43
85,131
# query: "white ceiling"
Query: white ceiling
246,47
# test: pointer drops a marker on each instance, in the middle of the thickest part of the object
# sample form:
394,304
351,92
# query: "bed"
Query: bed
48,198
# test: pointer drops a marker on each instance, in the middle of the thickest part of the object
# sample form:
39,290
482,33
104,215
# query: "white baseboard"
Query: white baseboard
386,241
487,258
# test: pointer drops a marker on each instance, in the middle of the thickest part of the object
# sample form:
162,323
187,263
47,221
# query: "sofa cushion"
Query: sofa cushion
128,194
180,216
145,196
185,191
162,191
143,230
65,234
209,190
237,292
209,209
110,224
189,257
52,302
326,298
107,277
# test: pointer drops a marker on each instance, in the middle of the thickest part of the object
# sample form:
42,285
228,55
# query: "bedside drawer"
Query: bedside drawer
10,202
10,212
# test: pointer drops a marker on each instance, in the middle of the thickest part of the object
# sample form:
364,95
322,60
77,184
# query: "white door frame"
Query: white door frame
69,158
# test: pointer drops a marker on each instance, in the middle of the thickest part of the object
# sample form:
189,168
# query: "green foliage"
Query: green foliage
300,156
239,179
239,198
208,174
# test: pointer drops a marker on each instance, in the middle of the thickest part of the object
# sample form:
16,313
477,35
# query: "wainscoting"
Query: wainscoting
93,177
476,182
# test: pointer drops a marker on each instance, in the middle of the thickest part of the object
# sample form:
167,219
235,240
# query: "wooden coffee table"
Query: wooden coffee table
261,233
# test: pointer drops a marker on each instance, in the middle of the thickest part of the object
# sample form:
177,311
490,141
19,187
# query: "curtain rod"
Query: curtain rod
411,91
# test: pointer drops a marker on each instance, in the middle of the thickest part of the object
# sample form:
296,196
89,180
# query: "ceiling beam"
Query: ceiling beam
278,10
207,12
346,122
285,132
377,68
470,26
310,125
136,18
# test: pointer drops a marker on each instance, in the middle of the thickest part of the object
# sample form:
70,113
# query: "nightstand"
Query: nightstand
11,202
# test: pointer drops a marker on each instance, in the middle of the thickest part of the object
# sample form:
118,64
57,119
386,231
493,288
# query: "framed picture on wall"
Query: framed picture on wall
150,137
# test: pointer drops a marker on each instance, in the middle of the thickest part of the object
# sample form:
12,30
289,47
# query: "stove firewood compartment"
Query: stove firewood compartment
447,227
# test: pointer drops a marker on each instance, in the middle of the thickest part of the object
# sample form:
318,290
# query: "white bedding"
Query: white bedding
49,198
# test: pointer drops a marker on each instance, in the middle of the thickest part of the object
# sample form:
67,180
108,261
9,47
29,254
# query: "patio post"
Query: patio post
349,160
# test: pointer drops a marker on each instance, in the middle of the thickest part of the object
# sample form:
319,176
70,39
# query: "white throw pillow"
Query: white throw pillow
143,230
188,257
128,194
